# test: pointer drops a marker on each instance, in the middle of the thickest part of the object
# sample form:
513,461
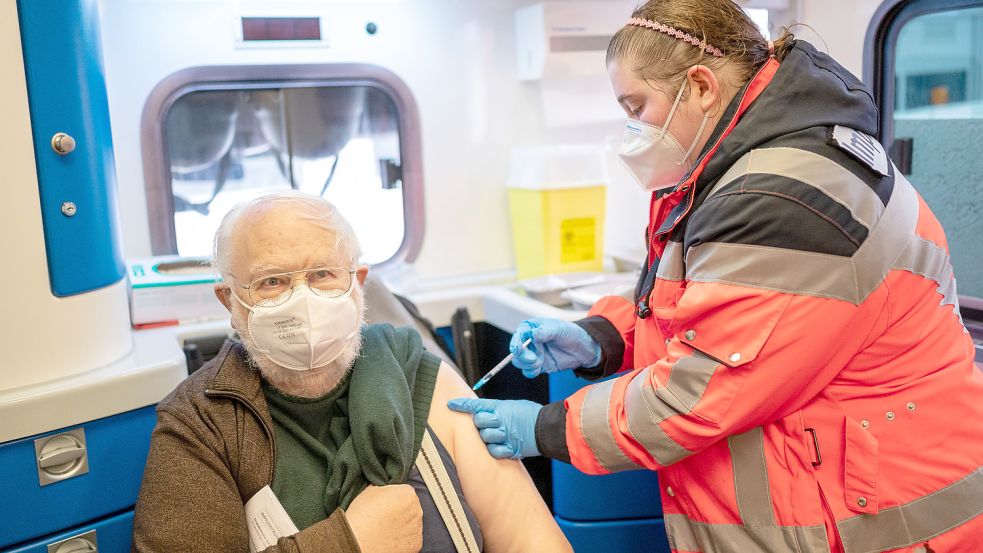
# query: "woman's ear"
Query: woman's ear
704,87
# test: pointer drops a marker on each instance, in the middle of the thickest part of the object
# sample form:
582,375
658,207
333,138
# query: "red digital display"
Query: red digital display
281,28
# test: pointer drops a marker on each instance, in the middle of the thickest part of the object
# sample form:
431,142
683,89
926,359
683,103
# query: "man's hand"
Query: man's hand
387,519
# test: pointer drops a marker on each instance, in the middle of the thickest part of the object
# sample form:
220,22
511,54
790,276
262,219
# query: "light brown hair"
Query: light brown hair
720,23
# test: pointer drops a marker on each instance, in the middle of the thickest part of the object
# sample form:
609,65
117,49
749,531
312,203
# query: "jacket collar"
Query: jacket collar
234,374
682,197
808,89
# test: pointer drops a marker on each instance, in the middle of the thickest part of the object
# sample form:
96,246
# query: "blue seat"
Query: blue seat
619,512
616,536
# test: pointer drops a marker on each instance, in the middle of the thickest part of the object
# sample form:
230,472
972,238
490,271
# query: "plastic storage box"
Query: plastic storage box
556,199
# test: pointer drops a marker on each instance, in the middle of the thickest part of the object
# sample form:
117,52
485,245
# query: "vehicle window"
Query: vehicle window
226,144
342,143
938,106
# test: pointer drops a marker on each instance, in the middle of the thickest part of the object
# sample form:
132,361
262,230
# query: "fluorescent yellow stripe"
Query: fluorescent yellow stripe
643,424
821,173
751,478
671,266
648,406
689,535
924,258
915,521
596,428
850,279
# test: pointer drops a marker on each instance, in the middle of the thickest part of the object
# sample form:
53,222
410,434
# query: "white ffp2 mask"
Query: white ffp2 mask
305,332
653,156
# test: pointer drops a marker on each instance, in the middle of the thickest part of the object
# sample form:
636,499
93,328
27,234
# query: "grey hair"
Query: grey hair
315,208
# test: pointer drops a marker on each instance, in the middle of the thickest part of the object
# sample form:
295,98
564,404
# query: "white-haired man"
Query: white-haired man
328,412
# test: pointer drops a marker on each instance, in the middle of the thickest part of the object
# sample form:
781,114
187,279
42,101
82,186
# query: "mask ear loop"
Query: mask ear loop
249,323
699,133
238,299
679,96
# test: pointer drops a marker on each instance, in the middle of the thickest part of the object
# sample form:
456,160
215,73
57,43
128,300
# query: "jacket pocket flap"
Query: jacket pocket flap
728,323
860,468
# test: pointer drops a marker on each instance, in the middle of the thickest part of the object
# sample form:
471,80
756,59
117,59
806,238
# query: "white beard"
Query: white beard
311,383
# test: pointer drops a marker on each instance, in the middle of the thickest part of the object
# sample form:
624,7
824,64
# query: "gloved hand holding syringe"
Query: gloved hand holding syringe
498,368
508,427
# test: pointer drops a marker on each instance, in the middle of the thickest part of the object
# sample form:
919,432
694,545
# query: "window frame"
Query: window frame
157,173
880,45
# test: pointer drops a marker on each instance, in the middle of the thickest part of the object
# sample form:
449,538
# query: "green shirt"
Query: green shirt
308,434
367,430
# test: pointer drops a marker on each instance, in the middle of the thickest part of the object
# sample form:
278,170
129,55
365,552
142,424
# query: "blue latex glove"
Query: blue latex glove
508,428
556,346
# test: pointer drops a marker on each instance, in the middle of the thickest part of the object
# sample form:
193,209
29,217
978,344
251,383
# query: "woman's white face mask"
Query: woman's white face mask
653,156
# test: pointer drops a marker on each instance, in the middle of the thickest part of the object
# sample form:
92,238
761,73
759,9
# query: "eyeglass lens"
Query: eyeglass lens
331,282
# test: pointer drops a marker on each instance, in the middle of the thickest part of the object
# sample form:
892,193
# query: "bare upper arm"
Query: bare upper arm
512,515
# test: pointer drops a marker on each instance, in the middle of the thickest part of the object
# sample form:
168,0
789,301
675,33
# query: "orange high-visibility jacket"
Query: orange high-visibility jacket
799,371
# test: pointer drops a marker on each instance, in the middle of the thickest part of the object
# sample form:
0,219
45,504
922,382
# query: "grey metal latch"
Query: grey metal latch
61,456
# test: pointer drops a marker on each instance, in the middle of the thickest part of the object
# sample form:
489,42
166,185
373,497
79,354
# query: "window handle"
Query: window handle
391,172
901,154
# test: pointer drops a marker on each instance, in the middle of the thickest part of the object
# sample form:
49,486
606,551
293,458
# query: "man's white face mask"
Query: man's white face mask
305,332
653,156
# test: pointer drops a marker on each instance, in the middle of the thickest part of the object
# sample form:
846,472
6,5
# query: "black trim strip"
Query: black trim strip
551,432
612,347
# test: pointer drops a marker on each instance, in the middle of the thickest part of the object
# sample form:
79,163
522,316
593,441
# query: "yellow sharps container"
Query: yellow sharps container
556,200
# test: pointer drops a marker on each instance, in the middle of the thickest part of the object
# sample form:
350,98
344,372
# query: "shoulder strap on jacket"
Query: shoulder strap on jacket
435,476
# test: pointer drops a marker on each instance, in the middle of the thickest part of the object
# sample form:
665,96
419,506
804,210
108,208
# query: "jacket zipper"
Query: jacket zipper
262,422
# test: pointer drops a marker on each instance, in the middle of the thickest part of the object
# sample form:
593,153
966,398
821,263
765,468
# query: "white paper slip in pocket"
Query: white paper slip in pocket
267,520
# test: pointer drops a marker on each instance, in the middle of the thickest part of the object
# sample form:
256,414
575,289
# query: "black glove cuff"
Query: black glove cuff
612,348
551,432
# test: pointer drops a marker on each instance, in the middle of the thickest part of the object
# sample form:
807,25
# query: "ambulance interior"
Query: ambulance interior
471,144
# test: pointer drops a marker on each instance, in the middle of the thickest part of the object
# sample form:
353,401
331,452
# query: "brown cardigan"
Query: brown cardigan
212,449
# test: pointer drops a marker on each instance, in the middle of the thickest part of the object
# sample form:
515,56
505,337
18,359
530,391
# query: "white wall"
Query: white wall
456,57
838,28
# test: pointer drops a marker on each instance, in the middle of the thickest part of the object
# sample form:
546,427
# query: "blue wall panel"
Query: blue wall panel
67,93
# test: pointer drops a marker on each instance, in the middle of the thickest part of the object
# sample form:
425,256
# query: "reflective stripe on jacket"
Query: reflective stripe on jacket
798,369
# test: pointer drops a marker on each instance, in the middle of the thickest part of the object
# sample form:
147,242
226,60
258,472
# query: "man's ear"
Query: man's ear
360,273
224,295
704,86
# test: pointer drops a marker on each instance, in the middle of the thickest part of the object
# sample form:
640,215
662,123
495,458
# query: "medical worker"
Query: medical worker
794,363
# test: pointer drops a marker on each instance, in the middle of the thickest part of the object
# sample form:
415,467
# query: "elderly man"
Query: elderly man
326,411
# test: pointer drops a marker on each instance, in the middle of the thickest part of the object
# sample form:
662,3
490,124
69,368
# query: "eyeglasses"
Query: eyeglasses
275,289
